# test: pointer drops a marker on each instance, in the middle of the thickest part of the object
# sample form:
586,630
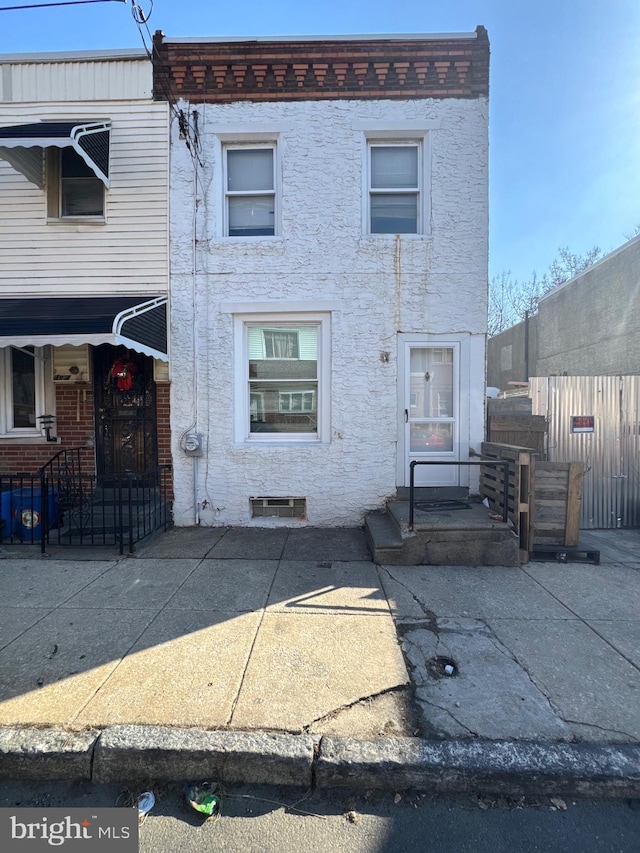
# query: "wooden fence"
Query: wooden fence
509,421
519,487
557,503
518,430
543,498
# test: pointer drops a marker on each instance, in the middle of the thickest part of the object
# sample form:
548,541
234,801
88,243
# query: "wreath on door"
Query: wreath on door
122,374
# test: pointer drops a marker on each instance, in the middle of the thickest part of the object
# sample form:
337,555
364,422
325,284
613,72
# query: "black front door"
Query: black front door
126,441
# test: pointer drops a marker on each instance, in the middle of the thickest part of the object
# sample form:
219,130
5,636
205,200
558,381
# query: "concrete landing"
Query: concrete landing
442,537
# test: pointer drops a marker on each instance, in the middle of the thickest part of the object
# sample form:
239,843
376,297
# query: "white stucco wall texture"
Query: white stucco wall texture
376,288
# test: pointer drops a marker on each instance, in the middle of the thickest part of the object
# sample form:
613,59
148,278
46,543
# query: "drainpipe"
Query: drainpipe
196,506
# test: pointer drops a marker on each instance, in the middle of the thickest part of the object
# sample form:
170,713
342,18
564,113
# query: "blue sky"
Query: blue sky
565,95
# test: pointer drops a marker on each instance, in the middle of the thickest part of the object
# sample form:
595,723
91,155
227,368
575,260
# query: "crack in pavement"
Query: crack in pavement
431,617
331,714
581,619
447,711
416,669
554,709
631,737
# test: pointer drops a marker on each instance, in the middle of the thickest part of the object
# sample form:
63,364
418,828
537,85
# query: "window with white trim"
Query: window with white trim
282,378
250,190
21,391
395,188
73,189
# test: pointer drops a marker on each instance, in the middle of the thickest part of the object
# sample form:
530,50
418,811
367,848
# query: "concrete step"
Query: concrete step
382,536
103,522
449,537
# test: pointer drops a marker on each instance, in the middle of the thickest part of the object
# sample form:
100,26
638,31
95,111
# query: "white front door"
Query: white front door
431,376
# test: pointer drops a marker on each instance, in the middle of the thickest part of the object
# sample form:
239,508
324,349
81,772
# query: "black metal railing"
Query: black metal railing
503,463
64,505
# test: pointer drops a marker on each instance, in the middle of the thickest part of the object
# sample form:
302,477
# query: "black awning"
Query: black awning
22,145
133,321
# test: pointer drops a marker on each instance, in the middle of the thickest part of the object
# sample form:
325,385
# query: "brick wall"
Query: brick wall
454,66
164,430
75,427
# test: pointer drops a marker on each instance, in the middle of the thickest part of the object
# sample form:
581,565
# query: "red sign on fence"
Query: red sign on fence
583,423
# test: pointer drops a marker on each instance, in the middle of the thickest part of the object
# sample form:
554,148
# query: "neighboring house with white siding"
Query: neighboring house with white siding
83,261
328,238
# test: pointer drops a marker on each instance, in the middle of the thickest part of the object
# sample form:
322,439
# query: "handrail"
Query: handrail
49,462
81,507
497,462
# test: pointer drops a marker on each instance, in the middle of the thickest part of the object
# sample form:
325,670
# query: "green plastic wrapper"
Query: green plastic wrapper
202,798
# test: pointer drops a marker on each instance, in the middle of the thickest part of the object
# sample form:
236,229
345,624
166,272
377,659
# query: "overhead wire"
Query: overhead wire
56,3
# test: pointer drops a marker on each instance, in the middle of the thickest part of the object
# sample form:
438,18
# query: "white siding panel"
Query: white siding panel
75,80
128,252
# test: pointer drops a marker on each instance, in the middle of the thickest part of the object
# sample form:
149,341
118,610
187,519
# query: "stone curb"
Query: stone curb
500,767
127,753
46,754
168,754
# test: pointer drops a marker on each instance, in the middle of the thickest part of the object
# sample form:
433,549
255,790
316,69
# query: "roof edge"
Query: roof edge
74,56
601,261
321,38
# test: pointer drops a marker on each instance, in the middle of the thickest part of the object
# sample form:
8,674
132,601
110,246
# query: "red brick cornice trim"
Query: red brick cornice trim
220,72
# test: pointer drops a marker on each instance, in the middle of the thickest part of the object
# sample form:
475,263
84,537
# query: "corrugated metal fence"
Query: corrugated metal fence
610,453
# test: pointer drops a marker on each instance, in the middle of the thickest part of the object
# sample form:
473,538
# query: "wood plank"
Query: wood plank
508,405
574,504
530,423
519,459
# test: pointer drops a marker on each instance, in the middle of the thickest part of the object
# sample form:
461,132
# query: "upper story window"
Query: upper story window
250,191
395,188
73,190
21,390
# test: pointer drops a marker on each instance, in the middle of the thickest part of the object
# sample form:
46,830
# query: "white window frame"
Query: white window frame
242,406
54,191
7,430
416,191
403,135
244,146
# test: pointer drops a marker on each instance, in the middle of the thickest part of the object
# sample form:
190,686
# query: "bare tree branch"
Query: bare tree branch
510,300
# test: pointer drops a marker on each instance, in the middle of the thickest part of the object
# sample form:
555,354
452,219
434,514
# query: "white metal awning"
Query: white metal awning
23,146
116,320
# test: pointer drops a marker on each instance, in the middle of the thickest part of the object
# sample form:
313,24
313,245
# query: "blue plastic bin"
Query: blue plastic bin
5,515
27,512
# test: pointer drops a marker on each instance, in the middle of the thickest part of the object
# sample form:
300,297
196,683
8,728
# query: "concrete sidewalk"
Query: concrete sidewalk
226,632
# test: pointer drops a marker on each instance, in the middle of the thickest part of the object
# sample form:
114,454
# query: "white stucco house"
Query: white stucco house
328,282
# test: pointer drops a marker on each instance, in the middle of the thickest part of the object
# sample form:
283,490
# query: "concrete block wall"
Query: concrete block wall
590,325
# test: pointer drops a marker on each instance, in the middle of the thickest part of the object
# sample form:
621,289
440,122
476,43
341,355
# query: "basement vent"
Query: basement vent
278,507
